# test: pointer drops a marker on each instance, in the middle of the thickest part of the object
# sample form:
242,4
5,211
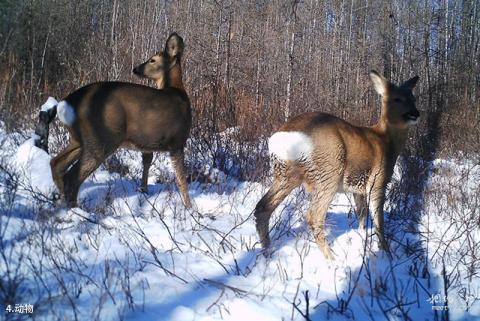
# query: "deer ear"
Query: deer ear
379,82
410,83
174,45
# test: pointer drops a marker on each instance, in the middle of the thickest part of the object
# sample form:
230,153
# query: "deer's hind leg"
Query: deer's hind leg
316,216
284,181
77,174
325,182
62,161
92,153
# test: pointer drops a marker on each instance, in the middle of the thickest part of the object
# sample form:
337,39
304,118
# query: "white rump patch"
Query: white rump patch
49,104
290,146
65,113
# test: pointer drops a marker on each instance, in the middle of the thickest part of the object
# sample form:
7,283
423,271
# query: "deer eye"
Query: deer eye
152,61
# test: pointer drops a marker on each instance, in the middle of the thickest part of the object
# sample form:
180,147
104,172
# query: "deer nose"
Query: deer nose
135,71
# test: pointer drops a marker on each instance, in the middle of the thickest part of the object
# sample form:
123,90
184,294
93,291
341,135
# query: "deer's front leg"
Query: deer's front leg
146,161
178,160
361,209
376,202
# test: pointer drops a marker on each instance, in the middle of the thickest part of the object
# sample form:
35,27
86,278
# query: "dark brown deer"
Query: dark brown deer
329,155
101,117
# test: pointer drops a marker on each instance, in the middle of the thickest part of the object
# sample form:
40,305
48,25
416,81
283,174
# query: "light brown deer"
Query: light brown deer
104,116
329,155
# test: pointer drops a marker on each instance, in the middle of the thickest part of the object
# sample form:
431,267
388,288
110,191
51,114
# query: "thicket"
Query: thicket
252,64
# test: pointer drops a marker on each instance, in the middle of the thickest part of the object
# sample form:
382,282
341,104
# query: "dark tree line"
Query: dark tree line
252,64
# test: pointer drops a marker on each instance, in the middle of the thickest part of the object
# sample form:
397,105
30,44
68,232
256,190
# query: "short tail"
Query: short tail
290,146
45,117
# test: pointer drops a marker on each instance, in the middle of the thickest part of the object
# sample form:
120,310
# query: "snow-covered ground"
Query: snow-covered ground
128,256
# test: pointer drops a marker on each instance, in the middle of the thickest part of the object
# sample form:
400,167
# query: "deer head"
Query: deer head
159,67
398,102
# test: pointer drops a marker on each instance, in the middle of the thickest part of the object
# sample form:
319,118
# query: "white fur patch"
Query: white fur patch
49,104
65,113
290,146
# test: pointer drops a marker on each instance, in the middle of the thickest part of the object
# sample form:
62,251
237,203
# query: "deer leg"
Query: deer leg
146,161
377,199
361,208
265,207
316,216
284,182
181,178
62,161
77,174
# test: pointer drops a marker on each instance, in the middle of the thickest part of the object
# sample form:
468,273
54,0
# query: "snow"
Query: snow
133,256
49,104
246,310
34,165
182,313
290,146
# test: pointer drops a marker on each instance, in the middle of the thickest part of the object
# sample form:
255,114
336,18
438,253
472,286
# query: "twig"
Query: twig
221,285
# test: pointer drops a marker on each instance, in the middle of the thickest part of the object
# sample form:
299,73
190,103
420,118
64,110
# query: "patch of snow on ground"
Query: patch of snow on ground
133,256
34,165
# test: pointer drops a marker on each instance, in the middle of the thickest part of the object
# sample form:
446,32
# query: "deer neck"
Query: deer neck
161,83
395,137
174,77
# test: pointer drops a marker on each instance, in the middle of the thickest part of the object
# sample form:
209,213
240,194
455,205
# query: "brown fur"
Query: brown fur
109,115
345,158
